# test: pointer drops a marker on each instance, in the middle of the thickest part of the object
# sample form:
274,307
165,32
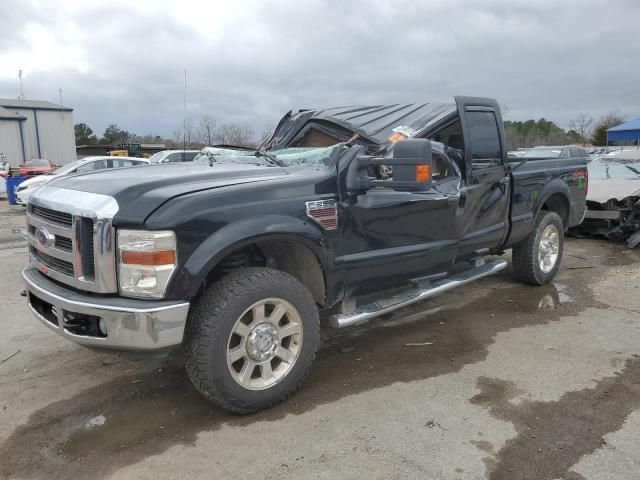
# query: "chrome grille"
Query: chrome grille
59,218
61,245
62,266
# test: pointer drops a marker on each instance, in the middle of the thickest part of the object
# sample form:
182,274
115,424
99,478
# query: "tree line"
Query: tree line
529,133
583,130
207,132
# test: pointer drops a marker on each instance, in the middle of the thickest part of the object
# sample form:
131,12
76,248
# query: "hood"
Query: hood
140,190
601,190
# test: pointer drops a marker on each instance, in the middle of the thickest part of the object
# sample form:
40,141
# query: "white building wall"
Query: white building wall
10,141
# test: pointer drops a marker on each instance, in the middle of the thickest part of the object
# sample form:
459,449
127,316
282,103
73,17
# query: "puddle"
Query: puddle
549,296
146,415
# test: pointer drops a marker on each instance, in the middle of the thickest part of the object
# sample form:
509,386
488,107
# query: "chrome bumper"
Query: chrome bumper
131,325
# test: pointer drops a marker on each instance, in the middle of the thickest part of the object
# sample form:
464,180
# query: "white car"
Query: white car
174,156
87,164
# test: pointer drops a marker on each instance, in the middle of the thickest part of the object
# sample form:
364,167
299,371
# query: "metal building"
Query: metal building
36,129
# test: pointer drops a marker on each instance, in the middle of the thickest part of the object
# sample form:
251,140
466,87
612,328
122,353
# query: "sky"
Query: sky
249,62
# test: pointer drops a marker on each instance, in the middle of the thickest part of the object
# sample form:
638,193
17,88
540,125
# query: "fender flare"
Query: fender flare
244,232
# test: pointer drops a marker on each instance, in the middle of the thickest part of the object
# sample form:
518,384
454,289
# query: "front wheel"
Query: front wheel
537,259
252,339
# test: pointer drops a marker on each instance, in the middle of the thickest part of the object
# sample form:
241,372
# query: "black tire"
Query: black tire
211,324
525,256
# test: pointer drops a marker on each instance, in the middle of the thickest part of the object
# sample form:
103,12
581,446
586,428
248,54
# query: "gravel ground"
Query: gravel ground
514,382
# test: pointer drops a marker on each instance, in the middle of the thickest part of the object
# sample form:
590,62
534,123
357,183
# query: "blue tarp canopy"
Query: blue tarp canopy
625,131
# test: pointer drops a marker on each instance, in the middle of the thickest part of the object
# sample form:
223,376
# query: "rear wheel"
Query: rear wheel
252,339
537,259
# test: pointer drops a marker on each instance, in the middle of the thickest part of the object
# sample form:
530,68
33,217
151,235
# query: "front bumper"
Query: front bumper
131,325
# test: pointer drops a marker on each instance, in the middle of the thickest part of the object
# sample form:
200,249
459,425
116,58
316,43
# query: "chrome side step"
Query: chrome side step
431,289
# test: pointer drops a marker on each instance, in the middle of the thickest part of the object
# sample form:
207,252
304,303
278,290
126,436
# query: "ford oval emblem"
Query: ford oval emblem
44,238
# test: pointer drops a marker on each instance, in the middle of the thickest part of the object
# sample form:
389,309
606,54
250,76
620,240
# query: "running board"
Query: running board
427,290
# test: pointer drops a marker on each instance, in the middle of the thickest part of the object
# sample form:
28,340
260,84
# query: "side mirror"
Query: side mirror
410,165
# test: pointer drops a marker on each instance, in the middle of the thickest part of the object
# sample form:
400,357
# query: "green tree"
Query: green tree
608,120
574,137
531,133
114,136
84,134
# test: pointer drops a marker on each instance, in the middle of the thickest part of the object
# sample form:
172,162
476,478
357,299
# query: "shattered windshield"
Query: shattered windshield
288,157
310,156
610,168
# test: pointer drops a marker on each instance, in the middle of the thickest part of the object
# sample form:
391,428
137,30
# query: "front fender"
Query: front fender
245,232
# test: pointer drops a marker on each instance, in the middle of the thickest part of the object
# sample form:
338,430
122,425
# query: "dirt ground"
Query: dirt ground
510,382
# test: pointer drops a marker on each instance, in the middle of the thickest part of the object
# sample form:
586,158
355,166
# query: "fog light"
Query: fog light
102,325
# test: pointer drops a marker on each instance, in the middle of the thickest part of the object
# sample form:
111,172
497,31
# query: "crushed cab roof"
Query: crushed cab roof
374,123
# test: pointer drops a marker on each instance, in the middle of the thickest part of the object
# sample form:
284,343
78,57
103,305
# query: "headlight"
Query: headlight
22,188
146,261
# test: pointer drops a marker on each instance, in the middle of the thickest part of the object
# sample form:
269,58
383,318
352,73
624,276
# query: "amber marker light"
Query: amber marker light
158,257
423,173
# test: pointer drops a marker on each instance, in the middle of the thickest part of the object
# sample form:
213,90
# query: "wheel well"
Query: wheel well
288,256
559,204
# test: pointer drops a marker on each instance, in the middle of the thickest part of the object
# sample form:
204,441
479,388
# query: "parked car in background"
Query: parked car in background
174,156
566,151
87,164
35,167
613,201
518,153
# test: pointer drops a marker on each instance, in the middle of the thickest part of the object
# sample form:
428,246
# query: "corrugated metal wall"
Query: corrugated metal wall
10,141
55,129
29,132
57,138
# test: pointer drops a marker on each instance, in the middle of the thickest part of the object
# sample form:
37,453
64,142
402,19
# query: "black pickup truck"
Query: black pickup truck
237,255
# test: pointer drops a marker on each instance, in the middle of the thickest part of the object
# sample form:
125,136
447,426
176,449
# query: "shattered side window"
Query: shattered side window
310,156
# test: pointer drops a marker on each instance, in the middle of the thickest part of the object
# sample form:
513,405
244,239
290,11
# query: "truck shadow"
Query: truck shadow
121,422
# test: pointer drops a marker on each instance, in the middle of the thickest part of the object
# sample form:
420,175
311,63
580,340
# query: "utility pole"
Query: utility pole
21,96
184,122
61,107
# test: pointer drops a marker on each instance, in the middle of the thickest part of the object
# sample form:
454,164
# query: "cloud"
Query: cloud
251,61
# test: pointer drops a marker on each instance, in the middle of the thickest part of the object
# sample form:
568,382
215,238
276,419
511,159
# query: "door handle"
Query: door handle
504,181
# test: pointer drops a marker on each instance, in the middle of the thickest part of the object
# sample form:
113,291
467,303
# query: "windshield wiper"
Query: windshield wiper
633,169
270,158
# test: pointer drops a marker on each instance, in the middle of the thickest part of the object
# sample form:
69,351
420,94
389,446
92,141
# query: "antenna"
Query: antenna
184,122
61,107
21,96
